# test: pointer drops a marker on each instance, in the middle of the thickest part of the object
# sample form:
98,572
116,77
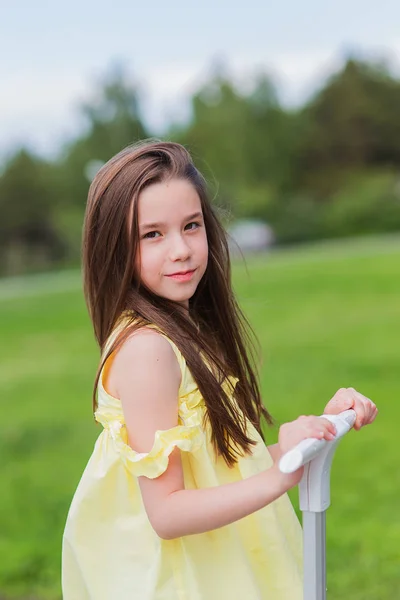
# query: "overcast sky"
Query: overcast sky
51,53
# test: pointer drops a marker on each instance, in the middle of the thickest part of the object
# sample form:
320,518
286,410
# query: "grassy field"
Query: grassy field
327,316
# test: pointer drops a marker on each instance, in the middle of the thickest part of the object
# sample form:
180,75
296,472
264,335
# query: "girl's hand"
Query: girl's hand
290,434
347,398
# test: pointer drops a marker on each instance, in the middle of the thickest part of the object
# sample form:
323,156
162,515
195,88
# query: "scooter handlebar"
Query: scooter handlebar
309,448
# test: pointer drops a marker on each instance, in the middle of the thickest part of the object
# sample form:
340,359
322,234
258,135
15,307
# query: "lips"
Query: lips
182,275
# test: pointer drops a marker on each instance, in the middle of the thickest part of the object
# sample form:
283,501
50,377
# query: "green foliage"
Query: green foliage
320,171
113,121
217,130
253,201
352,122
28,238
367,202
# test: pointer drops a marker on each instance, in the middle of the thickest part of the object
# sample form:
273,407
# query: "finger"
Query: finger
317,427
367,405
374,412
329,427
342,400
320,428
370,410
323,434
327,424
360,414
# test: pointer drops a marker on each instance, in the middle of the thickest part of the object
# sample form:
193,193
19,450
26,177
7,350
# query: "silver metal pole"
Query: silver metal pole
314,555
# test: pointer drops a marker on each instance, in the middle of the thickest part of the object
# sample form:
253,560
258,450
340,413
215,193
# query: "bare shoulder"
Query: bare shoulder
145,355
146,342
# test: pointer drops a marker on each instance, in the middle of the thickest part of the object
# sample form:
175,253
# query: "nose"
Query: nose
179,250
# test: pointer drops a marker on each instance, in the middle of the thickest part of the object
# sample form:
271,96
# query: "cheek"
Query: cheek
202,252
148,263
204,248
140,262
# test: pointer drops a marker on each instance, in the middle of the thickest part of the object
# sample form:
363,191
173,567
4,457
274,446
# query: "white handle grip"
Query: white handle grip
308,449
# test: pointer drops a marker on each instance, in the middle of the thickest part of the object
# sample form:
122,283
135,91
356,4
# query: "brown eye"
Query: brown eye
196,226
151,235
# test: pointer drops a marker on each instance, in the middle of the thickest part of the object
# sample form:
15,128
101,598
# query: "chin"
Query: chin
180,299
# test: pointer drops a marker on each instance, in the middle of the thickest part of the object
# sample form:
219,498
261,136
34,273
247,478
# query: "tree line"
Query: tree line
329,168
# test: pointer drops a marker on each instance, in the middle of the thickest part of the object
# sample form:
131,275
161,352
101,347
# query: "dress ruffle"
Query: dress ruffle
188,437
154,463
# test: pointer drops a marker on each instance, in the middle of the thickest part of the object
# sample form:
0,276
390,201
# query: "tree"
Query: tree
28,238
353,122
240,139
113,121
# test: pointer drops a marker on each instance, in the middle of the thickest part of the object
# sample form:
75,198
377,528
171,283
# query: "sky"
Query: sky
53,54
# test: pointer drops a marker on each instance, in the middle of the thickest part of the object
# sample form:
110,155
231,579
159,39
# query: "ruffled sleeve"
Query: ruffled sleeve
154,463
188,436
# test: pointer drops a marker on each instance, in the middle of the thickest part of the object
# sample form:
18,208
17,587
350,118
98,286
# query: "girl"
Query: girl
181,499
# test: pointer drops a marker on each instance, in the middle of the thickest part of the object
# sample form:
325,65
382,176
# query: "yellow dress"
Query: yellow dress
110,550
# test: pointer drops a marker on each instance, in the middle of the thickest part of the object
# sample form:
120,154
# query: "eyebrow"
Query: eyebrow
196,215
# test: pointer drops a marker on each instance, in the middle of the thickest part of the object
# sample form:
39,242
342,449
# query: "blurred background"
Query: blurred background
292,112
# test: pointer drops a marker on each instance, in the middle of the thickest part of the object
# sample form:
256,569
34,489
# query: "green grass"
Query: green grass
327,316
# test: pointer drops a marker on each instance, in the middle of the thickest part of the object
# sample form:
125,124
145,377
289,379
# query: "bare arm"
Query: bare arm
147,376
184,512
275,452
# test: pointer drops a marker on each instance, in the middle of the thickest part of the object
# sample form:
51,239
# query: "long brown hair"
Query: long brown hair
215,327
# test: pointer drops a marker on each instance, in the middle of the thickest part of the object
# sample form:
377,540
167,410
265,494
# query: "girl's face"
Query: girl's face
173,249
